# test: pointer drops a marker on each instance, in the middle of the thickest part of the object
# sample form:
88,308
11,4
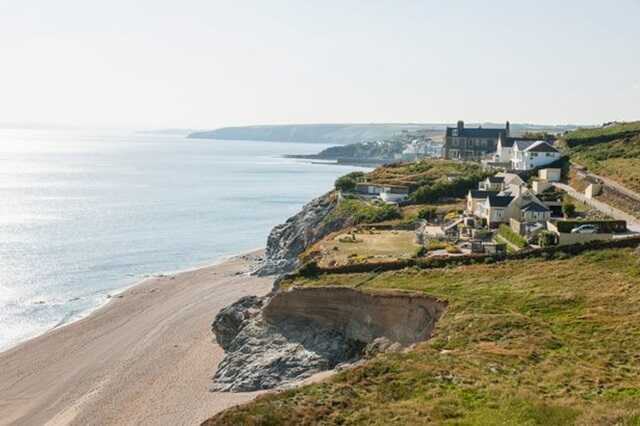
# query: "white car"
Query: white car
585,229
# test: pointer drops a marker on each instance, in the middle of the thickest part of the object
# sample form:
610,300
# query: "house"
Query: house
387,193
476,197
471,144
526,207
394,194
494,209
534,212
550,175
492,183
529,155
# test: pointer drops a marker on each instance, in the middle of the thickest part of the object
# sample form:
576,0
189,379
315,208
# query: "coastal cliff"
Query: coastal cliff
288,240
295,333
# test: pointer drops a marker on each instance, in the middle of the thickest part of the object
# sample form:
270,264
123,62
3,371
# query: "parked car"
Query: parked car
585,229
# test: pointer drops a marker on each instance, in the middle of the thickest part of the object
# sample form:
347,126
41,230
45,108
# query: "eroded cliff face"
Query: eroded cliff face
399,317
293,334
287,241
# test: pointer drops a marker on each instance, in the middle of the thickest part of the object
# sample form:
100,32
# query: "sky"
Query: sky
211,63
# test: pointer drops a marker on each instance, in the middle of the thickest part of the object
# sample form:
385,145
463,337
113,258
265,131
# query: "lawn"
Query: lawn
356,246
530,342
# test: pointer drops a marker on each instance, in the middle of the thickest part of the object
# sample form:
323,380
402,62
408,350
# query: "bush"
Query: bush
436,245
421,251
348,182
451,249
428,213
507,233
547,239
568,209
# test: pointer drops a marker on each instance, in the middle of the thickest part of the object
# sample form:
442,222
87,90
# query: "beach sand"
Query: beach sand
145,358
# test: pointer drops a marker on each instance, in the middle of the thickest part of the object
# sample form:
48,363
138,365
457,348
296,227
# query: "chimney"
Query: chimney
460,127
508,129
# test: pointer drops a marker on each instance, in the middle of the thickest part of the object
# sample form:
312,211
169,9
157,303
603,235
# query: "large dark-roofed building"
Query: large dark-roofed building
472,143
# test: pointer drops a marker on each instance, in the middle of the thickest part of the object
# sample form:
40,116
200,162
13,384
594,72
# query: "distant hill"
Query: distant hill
340,134
344,134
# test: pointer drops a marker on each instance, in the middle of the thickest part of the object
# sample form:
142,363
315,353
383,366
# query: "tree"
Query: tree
348,182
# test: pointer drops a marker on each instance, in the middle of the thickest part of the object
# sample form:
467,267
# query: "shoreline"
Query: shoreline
146,356
113,294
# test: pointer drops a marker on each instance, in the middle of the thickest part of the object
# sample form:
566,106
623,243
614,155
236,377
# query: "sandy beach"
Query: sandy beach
145,358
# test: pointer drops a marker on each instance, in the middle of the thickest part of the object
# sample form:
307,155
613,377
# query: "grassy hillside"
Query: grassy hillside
613,152
531,342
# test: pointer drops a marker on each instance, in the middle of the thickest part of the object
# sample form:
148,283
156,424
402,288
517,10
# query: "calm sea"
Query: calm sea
84,214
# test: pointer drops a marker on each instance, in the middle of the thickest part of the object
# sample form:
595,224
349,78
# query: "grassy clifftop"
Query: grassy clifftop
531,342
613,151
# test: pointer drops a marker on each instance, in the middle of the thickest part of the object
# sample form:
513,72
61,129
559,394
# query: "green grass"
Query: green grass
509,235
359,211
528,342
613,152
602,133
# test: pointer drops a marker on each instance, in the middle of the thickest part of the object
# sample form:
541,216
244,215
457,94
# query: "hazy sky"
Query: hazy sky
211,63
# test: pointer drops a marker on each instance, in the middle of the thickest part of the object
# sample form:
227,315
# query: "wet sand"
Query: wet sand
145,358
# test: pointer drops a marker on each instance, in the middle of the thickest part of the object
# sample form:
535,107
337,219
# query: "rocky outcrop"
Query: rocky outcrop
302,331
287,241
260,355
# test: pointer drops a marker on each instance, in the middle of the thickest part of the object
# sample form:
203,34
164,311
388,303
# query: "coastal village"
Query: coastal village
520,200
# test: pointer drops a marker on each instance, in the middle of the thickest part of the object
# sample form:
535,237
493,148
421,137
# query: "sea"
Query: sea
86,214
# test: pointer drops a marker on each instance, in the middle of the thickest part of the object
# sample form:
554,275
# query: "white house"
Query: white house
494,209
475,198
504,149
528,155
387,193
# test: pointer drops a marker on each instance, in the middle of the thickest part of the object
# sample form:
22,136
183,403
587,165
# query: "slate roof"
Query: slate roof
476,193
508,141
523,144
496,179
541,146
499,200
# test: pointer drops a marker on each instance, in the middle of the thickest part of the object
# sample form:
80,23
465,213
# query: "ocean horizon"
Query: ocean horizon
86,214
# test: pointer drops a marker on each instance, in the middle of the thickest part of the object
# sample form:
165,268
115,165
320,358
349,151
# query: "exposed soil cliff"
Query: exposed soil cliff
302,331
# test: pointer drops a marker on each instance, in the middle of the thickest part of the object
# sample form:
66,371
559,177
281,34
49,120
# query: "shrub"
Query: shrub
348,181
507,233
547,239
427,213
451,249
436,245
568,209
421,251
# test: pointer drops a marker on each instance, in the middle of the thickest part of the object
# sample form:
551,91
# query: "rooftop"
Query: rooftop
499,200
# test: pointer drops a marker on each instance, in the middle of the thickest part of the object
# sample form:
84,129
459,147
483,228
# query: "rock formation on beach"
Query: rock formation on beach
293,334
